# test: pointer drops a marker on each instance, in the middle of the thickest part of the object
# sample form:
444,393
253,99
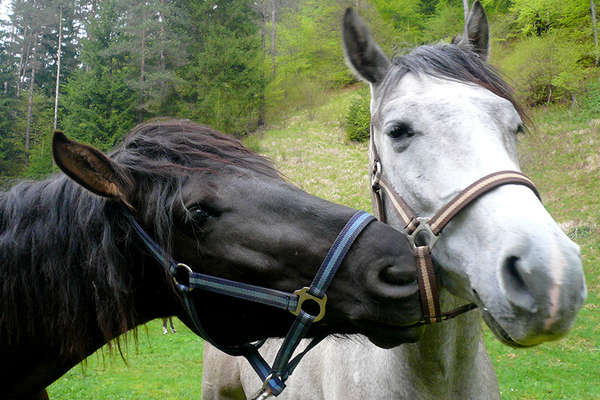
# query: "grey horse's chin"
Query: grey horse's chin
499,332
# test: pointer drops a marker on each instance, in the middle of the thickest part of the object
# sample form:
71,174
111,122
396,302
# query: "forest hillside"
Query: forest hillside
95,68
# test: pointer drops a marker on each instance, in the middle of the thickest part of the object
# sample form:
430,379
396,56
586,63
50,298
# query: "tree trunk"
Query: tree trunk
21,60
58,67
466,9
263,41
163,63
11,39
593,11
142,72
30,107
273,31
30,43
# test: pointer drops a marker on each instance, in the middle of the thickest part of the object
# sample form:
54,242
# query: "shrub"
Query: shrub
358,118
545,68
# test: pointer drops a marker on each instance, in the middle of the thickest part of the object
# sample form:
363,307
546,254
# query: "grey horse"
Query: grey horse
443,118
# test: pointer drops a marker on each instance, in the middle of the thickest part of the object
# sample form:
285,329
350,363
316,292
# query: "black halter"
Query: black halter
273,377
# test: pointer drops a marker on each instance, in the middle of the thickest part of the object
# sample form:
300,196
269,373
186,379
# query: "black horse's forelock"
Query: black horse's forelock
168,147
66,255
450,61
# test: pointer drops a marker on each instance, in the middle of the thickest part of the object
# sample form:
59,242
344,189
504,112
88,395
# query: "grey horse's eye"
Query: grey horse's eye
400,130
520,129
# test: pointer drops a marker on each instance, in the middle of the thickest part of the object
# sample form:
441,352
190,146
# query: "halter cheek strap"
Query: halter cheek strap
423,233
273,377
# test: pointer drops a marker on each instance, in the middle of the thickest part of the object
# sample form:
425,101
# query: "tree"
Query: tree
100,105
60,15
223,78
595,30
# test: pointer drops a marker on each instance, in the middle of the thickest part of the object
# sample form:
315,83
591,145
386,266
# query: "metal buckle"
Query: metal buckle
189,271
303,295
422,235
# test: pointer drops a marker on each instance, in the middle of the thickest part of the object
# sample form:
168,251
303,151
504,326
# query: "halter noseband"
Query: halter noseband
422,233
273,377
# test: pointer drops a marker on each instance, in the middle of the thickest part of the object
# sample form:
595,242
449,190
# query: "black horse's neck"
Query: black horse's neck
71,278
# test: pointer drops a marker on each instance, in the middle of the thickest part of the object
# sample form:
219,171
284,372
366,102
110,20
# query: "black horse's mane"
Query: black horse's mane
450,61
66,255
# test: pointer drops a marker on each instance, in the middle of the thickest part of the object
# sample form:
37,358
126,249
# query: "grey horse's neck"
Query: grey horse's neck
450,361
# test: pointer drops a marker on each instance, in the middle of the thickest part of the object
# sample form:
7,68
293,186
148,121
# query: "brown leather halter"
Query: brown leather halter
423,233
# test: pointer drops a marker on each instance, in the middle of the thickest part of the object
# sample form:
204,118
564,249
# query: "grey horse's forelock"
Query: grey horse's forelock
451,62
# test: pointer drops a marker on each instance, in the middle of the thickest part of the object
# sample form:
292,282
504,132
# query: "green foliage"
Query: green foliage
406,16
544,68
536,17
308,57
445,23
40,155
12,151
358,118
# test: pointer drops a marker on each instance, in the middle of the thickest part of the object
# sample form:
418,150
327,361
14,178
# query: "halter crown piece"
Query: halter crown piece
273,377
422,233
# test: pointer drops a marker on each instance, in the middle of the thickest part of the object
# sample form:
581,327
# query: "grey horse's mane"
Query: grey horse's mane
452,62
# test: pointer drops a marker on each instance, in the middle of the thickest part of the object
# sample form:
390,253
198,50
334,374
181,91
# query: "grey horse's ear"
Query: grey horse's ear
91,169
476,35
365,57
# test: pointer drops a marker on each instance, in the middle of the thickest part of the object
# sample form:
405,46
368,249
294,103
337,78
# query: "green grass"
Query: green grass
310,148
159,367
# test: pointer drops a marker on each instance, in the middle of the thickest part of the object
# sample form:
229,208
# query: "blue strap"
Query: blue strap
338,251
282,367
270,297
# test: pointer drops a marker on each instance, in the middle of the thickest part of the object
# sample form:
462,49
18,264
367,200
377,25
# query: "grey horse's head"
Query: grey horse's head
443,118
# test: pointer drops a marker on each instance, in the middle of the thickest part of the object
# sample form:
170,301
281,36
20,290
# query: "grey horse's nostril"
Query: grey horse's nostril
515,284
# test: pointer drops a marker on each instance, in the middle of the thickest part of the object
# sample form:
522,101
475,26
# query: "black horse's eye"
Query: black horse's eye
198,216
400,130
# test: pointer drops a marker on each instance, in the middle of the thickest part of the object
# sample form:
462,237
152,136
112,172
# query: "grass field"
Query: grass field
563,159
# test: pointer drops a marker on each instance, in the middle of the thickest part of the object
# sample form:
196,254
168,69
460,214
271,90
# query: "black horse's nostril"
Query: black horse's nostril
515,284
396,275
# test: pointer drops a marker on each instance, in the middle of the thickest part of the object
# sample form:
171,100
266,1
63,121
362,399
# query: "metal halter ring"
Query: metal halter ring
426,237
265,385
376,175
303,295
189,271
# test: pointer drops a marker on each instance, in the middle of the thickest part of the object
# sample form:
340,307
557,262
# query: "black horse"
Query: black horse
75,276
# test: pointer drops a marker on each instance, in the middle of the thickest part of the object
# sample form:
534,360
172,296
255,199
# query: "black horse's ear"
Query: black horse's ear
476,35
362,52
90,168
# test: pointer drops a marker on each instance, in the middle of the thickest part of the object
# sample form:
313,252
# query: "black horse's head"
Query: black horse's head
225,211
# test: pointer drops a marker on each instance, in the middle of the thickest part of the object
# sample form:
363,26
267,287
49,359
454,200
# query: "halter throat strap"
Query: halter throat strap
423,233
273,377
